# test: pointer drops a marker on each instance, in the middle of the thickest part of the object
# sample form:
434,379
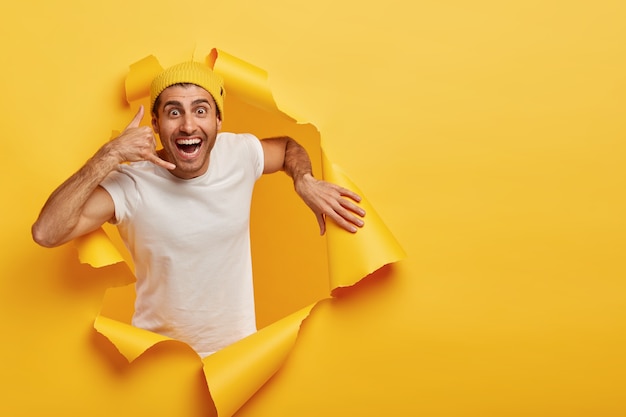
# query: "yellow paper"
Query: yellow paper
489,135
131,341
234,374
354,256
243,79
97,250
139,77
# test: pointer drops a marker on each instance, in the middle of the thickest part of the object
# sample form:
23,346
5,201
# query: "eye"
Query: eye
173,113
202,111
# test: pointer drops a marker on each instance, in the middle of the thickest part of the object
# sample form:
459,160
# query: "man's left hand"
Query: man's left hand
330,200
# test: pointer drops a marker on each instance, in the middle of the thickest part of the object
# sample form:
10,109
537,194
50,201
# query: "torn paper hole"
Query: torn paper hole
284,238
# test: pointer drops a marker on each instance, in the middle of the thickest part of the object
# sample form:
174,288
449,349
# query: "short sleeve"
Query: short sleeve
255,150
123,191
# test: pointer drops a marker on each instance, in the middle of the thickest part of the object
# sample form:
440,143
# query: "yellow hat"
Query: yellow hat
193,73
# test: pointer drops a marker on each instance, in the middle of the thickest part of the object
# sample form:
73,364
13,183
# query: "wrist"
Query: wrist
302,180
107,158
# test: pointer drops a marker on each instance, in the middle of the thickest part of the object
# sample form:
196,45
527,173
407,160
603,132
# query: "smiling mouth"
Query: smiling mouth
188,146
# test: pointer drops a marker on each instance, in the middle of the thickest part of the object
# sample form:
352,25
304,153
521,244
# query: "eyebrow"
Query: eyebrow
179,104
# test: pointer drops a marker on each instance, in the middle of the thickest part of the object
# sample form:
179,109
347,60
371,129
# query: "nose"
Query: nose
187,124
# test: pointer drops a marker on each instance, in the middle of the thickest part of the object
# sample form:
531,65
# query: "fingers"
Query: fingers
138,143
162,163
328,200
349,193
348,205
346,220
345,213
322,223
137,119
154,157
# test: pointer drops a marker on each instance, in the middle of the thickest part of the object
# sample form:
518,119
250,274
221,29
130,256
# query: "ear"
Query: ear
155,124
219,123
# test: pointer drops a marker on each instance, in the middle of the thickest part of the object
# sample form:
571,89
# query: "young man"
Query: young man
183,211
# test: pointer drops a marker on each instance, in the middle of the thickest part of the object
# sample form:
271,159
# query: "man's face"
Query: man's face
187,123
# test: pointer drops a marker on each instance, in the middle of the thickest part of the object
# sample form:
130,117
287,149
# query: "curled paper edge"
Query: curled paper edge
352,257
246,81
97,250
130,341
235,373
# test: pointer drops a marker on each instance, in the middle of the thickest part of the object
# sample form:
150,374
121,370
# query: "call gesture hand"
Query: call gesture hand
137,143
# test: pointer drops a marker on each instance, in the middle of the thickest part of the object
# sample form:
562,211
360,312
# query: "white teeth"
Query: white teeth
188,141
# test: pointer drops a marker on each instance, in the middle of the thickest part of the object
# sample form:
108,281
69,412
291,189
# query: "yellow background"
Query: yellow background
490,137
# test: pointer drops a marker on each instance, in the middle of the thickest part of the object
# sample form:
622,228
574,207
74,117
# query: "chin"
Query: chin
185,170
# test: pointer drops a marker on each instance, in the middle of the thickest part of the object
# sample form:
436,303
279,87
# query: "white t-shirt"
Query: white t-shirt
190,242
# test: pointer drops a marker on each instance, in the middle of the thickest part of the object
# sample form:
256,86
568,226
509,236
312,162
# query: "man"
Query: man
183,211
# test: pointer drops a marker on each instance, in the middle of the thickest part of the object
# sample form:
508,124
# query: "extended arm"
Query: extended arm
323,198
80,205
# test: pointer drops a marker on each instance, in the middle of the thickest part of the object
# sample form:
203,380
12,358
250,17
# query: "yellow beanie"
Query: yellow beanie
193,73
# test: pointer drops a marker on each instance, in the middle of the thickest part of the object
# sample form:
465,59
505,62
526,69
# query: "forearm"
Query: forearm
324,198
297,162
63,209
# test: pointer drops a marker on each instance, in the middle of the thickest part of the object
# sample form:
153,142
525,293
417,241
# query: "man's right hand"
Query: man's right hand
137,143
